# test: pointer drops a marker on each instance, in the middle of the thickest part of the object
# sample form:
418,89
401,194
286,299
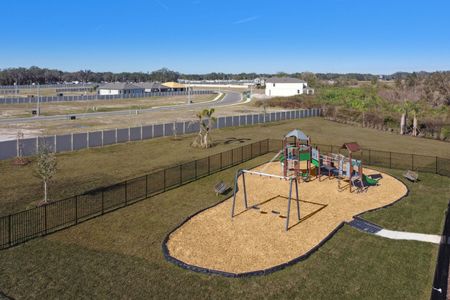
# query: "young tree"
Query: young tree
206,121
46,167
207,126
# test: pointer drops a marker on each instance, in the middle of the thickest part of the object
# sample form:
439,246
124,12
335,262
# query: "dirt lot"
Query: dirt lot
119,121
70,107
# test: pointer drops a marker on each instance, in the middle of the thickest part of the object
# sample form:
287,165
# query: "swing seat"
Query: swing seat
358,184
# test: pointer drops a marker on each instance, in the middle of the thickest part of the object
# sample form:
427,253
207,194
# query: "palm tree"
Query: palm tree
415,109
206,122
207,126
403,109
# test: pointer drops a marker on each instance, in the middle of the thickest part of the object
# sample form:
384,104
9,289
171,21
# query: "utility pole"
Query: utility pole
189,93
38,112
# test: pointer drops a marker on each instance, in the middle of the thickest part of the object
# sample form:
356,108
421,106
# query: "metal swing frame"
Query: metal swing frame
292,183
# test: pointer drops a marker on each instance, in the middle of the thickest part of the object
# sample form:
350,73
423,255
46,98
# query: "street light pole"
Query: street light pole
189,93
38,112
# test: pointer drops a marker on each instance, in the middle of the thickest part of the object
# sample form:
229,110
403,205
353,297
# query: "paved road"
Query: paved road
230,98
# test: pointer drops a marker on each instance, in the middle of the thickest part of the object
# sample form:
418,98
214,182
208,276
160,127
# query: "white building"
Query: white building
119,88
286,86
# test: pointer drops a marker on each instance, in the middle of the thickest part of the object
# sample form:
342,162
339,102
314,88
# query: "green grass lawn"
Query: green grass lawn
427,200
87,169
119,255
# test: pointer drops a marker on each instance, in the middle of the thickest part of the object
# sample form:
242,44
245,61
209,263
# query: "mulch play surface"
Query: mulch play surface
255,239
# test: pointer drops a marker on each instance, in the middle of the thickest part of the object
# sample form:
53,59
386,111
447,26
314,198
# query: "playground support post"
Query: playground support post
245,190
297,200
292,181
238,173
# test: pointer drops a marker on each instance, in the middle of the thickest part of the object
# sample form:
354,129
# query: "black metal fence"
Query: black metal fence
25,225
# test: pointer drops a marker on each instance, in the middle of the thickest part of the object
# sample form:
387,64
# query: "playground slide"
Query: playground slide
369,181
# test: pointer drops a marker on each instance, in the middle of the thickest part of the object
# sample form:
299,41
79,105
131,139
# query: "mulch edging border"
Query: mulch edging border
270,270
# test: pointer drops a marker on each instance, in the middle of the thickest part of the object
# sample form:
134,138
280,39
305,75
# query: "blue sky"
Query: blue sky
199,36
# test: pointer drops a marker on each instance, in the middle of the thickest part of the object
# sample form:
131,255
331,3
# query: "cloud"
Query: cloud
161,4
246,20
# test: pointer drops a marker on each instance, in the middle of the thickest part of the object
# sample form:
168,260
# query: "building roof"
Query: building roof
351,147
119,86
151,85
284,80
298,134
174,85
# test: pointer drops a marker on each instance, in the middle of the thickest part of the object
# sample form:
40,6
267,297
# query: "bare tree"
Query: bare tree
20,160
46,167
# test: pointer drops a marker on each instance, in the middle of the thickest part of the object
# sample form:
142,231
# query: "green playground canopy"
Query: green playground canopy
298,134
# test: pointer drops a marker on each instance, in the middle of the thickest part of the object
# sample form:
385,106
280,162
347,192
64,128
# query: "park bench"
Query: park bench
411,175
221,188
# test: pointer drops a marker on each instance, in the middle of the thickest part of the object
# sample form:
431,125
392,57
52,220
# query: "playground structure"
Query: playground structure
255,239
252,240
301,161
296,152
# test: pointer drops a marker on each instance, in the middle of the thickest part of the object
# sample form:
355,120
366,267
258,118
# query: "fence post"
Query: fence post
45,219
103,201
437,165
209,165
126,192
195,169
146,185
9,230
76,209
232,157
181,174
164,180
390,160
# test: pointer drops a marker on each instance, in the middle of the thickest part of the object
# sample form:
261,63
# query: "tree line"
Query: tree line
11,76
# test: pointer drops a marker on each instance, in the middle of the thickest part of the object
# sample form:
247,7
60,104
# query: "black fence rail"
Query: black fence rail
25,225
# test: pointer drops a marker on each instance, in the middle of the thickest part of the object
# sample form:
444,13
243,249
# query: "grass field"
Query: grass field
72,107
119,255
87,169
45,92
